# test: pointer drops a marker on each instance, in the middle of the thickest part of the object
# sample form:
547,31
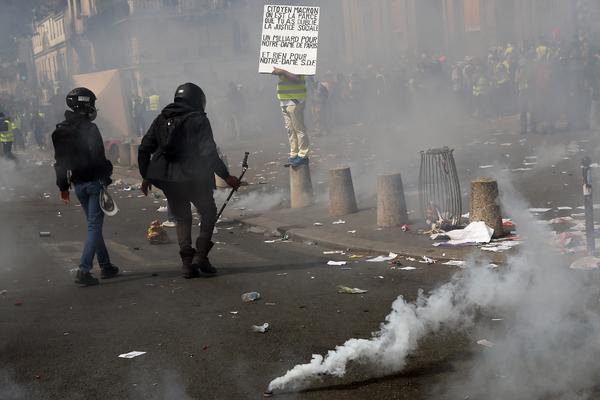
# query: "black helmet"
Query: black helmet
82,100
191,95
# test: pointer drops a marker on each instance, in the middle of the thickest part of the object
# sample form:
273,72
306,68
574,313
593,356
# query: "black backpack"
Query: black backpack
174,148
72,146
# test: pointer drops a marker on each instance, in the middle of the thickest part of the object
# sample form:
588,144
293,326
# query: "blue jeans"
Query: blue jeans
88,194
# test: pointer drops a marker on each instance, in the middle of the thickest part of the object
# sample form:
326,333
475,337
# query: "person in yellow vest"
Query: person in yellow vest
291,93
154,102
6,136
480,93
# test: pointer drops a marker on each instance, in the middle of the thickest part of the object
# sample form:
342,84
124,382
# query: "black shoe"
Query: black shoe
109,271
201,261
207,268
85,279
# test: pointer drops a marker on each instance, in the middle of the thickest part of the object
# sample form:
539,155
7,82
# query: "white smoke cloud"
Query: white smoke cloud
552,325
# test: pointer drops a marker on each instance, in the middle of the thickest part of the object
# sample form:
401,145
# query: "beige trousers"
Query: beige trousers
293,118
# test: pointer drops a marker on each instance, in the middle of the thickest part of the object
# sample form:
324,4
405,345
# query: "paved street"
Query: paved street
59,341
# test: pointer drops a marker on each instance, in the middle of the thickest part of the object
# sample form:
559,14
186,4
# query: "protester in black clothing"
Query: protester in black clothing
179,156
79,149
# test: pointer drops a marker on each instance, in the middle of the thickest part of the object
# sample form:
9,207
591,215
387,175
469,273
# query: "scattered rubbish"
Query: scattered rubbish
45,234
337,263
156,233
539,210
349,290
455,263
335,252
353,231
380,277
411,259
486,343
426,260
339,222
475,233
586,263
354,256
260,328
132,354
233,312
564,208
3,291
249,297
500,247
405,228
318,224
407,268
389,257
497,319
282,274
486,166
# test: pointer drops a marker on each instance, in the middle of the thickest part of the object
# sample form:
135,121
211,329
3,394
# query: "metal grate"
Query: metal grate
439,188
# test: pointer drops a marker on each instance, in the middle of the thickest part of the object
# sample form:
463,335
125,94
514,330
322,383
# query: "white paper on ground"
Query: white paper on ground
339,222
407,268
455,263
132,354
335,252
486,343
426,260
475,232
337,263
389,257
261,328
539,210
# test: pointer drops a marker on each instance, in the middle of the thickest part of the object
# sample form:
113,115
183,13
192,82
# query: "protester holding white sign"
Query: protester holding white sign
289,50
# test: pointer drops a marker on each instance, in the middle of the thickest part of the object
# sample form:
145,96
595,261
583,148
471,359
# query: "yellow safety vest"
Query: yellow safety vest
154,102
290,90
7,136
480,88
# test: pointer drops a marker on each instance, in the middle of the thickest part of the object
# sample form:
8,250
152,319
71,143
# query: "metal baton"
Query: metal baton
233,190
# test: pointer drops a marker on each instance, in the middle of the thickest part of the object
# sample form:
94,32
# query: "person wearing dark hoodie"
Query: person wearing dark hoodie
178,155
79,151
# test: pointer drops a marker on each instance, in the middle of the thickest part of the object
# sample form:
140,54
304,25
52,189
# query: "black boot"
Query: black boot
203,246
188,271
108,271
85,278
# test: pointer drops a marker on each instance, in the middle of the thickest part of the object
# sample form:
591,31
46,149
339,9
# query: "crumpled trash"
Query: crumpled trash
132,354
426,260
348,290
338,222
586,263
162,209
389,257
455,263
474,233
261,328
156,233
337,263
405,228
486,343
250,297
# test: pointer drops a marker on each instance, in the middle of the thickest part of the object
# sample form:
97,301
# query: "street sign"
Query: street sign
290,39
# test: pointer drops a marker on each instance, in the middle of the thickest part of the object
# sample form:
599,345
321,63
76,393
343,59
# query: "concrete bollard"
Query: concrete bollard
301,191
391,204
124,154
485,204
342,200
133,153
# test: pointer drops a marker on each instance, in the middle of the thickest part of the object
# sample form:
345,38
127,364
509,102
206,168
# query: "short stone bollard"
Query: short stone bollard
124,154
301,191
342,200
391,204
485,204
133,154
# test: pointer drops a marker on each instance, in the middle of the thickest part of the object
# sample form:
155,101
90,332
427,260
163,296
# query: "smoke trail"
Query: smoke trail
548,308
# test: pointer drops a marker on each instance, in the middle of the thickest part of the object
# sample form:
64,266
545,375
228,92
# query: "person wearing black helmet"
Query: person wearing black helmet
178,155
79,150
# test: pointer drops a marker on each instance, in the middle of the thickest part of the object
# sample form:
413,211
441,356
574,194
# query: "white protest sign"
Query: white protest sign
290,38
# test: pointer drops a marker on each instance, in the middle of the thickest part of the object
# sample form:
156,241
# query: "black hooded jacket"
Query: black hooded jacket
78,147
183,152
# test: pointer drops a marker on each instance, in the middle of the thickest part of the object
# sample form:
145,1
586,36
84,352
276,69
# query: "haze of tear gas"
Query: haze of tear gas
550,311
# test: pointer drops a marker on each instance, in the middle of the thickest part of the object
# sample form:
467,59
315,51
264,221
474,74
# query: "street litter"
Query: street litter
249,297
318,224
497,319
282,274
337,263
156,233
411,259
455,263
354,231
586,263
233,312
475,233
564,208
405,228
335,252
426,260
501,246
486,343
45,234
260,328
486,166
349,290
3,291
162,209
407,268
132,354
389,257
354,256
339,222
539,210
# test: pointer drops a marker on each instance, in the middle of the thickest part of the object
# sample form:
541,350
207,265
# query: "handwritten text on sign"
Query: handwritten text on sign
290,38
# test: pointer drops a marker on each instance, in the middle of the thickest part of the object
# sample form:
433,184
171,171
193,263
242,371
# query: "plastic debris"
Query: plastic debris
162,209
348,290
335,252
539,210
426,260
353,231
156,233
249,297
474,233
389,257
455,263
405,228
260,328
586,263
338,222
486,343
337,263
407,268
132,354
318,224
